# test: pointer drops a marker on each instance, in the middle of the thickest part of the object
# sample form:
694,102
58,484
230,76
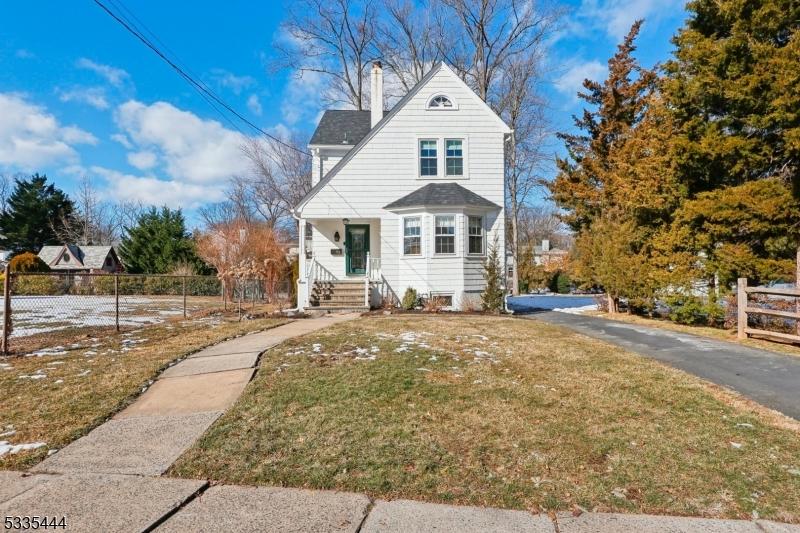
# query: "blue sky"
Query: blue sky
81,96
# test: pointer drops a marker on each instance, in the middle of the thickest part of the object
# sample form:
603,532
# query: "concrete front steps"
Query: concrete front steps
339,295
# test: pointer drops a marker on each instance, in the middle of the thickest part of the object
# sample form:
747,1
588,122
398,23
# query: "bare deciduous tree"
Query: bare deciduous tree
333,38
407,41
481,37
94,222
281,178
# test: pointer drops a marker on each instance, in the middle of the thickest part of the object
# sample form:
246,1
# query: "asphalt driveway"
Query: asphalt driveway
770,378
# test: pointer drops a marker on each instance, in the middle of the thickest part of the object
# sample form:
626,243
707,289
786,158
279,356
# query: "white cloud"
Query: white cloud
254,105
31,137
193,150
302,97
142,160
615,17
231,81
93,96
115,76
153,191
122,139
572,80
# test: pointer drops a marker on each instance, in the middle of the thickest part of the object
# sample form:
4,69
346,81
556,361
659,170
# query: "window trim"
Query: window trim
463,157
419,158
403,235
484,233
430,100
455,235
441,157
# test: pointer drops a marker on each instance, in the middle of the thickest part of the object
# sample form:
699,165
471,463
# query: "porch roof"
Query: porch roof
442,195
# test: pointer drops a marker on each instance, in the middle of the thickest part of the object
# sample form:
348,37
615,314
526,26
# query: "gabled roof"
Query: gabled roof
442,195
49,254
81,257
345,127
386,118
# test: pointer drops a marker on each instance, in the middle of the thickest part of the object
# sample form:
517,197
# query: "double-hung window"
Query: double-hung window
454,157
475,235
412,236
428,159
445,234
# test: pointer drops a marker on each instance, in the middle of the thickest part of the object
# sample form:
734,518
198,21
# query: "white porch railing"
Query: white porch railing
373,271
317,272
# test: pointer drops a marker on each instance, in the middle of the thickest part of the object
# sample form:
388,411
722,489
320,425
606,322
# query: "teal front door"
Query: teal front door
356,247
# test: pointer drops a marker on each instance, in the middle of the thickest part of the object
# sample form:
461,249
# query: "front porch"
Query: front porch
340,264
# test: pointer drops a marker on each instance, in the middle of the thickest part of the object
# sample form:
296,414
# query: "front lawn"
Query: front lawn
58,394
498,412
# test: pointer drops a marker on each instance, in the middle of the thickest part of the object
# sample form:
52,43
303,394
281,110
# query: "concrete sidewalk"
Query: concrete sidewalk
770,378
150,435
113,502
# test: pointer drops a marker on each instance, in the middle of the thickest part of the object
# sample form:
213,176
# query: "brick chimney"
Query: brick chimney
376,94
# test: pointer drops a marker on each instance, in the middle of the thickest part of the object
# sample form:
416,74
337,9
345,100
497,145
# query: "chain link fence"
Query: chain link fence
39,303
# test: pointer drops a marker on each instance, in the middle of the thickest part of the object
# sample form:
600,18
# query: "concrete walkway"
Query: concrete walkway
126,503
148,436
770,378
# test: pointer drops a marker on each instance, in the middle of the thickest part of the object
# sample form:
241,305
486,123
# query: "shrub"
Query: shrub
434,304
37,286
693,311
28,262
560,283
410,299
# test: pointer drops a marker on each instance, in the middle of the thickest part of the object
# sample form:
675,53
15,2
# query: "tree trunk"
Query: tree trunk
613,304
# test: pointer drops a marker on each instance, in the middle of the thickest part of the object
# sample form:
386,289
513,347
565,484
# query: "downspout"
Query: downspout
508,137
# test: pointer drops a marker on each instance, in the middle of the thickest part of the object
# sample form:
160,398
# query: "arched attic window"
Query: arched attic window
440,102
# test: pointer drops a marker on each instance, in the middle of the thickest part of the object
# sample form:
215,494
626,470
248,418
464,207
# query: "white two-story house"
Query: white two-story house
411,197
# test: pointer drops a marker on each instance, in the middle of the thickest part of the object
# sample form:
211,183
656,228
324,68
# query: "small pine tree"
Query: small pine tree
492,296
410,299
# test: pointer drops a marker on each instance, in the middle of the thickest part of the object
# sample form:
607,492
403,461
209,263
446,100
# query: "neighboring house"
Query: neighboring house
549,258
81,259
5,257
412,197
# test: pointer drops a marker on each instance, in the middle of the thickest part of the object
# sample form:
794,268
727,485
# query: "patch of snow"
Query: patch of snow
38,375
7,448
576,310
9,433
84,373
55,350
736,445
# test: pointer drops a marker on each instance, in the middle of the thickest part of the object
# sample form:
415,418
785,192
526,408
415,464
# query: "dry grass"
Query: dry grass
92,376
704,331
499,412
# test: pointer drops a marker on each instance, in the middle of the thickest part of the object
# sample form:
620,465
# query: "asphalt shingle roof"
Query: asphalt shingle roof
442,194
91,257
345,127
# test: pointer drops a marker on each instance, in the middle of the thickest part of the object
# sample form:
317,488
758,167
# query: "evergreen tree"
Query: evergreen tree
584,186
732,88
157,243
492,296
617,186
34,214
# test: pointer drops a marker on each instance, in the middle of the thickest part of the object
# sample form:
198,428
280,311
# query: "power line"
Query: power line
198,86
